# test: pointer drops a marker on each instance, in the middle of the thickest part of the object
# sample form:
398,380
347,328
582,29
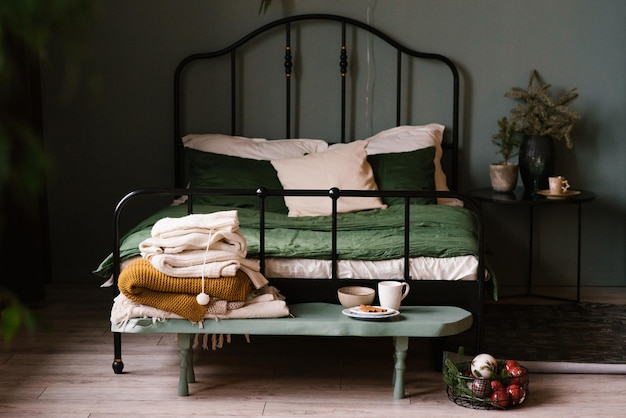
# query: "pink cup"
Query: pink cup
558,185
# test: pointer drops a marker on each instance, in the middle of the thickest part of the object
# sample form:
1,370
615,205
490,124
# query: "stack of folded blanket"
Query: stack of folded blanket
189,257
202,245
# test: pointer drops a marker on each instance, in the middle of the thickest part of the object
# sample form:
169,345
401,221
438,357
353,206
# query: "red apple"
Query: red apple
497,385
509,364
516,393
501,398
518,376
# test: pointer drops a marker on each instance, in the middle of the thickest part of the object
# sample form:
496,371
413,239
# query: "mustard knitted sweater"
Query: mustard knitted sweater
144,284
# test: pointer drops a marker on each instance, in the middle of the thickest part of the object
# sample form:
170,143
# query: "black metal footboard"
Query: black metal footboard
425,292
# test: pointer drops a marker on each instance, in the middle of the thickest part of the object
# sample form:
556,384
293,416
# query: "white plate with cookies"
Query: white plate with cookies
370,312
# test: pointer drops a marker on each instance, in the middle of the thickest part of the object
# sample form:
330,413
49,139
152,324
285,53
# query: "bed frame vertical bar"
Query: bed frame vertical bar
233,92
334,195
178,145
398,87
407,219
262,194
343,64
288,70
118,364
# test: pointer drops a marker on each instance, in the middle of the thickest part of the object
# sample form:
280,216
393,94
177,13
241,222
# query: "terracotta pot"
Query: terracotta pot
503,176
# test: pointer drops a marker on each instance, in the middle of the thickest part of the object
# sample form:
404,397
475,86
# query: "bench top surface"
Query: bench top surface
321,319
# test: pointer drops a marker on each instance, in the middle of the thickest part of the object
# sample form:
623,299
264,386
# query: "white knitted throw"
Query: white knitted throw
200,245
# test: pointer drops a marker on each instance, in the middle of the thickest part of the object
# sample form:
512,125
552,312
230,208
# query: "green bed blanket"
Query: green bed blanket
435,231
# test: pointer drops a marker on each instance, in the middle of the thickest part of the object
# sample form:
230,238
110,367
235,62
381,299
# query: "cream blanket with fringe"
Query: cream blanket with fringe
264,303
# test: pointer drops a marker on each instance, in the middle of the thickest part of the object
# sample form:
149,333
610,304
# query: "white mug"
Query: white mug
391,293
558,185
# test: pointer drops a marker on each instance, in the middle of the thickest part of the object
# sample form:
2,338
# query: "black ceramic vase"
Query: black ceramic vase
531,148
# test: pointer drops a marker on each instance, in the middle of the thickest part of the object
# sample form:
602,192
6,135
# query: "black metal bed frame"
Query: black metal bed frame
424,292
452,145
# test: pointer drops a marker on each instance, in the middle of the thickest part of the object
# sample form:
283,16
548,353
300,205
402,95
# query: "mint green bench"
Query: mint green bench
314,319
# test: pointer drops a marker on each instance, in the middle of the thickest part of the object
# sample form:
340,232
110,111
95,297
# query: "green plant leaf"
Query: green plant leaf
10,322
537,112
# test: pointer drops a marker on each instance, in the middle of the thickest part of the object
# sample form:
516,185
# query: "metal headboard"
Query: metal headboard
451,144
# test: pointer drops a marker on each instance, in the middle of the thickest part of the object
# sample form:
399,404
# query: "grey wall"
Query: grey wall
105,142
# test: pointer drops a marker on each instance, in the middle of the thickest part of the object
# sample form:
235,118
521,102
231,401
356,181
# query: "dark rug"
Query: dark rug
572,332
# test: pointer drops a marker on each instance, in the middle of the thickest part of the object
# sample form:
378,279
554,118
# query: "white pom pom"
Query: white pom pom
203,299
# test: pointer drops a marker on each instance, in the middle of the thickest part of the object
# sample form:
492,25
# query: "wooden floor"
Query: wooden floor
66,372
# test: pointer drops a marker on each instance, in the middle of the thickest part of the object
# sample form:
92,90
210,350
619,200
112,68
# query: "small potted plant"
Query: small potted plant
542,118
503,175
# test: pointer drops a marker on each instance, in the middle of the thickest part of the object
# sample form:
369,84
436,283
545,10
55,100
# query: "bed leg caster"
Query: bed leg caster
118,366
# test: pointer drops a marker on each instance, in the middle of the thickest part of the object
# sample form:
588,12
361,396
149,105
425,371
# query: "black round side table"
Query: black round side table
520,197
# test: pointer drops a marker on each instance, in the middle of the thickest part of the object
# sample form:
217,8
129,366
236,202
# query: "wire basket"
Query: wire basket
504,391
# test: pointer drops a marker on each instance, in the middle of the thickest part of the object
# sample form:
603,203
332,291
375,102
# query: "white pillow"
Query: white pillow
410,138
254,148
344,167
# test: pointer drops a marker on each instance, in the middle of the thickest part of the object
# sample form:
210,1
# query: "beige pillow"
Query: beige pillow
344,167
254,148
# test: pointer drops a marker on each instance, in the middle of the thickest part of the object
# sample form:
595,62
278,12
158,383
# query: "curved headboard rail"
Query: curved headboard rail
451,144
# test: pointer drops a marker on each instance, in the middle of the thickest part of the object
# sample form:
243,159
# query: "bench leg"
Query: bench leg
191,374
401,345
187,374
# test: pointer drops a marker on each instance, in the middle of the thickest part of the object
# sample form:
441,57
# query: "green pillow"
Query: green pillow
413,170
217,171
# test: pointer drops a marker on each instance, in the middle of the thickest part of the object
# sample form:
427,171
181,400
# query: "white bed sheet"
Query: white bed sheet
420,268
